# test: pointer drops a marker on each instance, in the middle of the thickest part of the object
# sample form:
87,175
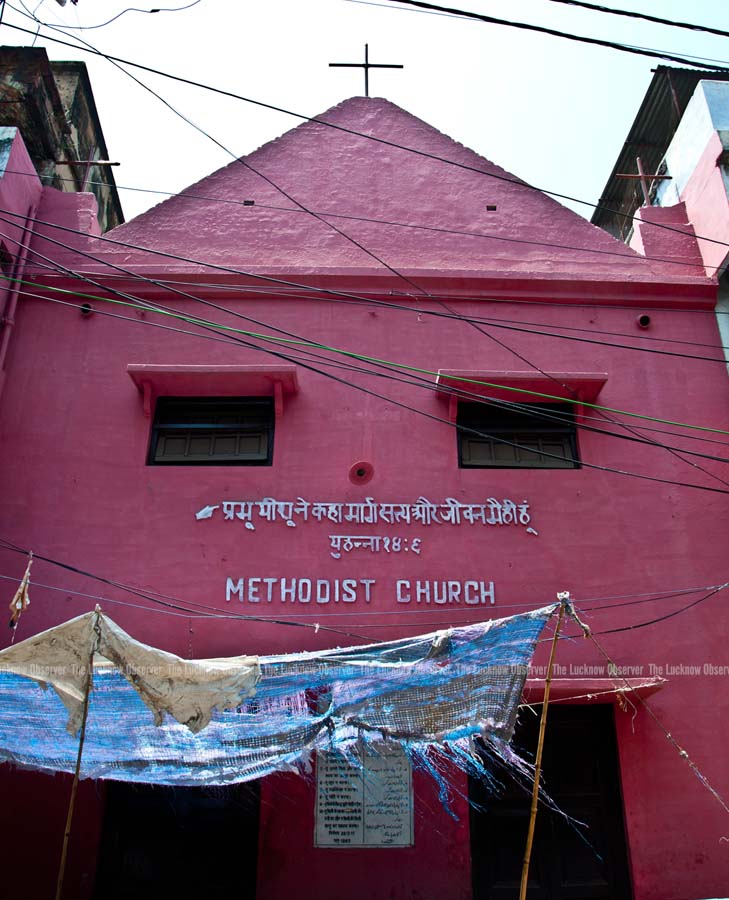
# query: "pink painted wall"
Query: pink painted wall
20,187
703,213
351,181
707,205
74,439
438,865
665,232
20,192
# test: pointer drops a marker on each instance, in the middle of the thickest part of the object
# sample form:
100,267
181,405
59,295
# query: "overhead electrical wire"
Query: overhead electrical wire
155,596
641,15
288,196
250,167
524,26
631,627
674,451
465,166
429,12
214,327
351,384
533,410
330,614
245,291
189,609
666,616
348,295
113,18
263,176
612,631
423,153
541,29
228,311
446,623
376,257
666,733
626,254
172,603
384,263
320,346
658,596
479,382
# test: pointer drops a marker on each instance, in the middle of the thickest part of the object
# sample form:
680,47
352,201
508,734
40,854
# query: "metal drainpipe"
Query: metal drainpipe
8,318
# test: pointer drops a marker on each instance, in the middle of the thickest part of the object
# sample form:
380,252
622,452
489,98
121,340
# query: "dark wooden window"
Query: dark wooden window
493,437
212,431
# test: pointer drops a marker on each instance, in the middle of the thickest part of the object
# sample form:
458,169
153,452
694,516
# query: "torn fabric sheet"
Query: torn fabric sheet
443,688
21,600
188,690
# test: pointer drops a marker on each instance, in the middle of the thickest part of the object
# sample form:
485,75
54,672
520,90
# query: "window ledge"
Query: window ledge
154,381
519,387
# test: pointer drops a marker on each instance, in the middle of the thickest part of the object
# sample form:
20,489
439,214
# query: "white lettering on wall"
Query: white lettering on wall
321,591
298,590
345,543
422,513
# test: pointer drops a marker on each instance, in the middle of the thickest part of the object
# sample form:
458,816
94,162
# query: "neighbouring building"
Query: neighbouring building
500,363
52,105
681,135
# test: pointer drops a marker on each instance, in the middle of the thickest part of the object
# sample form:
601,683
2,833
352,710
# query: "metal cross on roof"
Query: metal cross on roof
366,65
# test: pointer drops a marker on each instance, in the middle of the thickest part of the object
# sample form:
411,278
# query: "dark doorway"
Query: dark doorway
180,842
580,772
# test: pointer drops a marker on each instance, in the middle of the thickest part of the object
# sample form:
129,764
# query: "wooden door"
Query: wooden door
179,842
569,861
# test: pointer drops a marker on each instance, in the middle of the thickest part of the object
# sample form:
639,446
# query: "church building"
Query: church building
360,385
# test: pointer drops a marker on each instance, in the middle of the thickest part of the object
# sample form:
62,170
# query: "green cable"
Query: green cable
193,320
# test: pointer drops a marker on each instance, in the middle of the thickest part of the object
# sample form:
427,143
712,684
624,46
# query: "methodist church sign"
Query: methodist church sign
423,514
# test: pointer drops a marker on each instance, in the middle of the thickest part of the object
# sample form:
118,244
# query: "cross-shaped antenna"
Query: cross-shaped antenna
645,180
366,65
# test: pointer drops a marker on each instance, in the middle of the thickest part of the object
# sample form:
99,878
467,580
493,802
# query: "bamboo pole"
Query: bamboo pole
77,771
564,599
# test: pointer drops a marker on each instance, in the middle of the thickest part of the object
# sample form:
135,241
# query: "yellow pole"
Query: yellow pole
563,598
76,774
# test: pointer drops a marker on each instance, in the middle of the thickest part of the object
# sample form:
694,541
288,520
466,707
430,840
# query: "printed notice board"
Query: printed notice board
371,806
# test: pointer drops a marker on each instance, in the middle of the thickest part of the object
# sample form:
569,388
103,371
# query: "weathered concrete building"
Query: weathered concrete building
52,105
681,134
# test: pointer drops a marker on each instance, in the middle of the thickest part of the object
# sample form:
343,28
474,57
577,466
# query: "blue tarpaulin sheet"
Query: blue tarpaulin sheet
444,689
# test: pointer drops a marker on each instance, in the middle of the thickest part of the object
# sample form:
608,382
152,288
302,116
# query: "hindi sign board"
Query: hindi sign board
366,806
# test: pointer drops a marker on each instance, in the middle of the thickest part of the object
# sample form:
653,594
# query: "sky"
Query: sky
551,111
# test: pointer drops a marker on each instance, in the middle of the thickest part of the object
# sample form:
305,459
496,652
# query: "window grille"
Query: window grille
542,438
212,431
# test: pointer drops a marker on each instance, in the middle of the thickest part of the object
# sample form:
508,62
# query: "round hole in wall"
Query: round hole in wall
361,472
643,320
86,310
